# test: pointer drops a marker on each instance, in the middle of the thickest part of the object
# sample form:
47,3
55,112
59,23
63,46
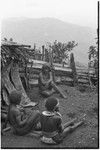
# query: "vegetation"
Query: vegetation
60,50
13,57
11,51
93,57
72,65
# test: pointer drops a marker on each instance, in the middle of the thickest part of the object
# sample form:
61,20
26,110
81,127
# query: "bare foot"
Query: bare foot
64,96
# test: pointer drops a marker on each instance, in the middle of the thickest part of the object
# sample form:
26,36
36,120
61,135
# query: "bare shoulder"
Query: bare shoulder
15,111
58,118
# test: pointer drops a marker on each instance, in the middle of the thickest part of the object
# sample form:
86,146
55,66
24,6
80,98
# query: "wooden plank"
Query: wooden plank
6,83
25,100
57,80
11,43
18,84
83,81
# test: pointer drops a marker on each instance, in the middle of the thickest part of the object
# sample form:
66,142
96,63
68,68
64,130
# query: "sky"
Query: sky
81,12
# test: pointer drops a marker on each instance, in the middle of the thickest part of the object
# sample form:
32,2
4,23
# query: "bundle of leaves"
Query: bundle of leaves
93,54
16,52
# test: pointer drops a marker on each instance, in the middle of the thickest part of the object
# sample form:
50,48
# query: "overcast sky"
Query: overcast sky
81,12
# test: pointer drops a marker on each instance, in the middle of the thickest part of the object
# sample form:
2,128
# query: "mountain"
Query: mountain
42,30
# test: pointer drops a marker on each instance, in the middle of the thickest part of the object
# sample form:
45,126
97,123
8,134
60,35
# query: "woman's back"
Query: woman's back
12,114
50,122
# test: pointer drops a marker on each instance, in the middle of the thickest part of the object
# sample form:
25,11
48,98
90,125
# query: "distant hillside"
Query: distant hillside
40,31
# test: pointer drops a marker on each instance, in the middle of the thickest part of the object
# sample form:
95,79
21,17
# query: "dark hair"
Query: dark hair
15,97
51,103
46,66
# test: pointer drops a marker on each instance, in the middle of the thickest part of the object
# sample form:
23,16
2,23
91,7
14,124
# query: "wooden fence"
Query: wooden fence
62,74
10,79
68,73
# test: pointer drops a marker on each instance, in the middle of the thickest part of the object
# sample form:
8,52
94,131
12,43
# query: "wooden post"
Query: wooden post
74,73
46,55
90,83
35,50
50,56
51,62
43,53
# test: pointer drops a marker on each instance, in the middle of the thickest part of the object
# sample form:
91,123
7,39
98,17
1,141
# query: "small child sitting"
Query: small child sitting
46,85
21,122
51,123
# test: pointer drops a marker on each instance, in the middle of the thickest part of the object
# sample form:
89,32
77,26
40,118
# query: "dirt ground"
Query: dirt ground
79,102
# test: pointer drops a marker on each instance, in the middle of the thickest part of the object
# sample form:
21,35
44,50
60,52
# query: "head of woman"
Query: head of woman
15,98
52,104
46,68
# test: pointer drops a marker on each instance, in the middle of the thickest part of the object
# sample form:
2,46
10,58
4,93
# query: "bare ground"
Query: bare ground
79,102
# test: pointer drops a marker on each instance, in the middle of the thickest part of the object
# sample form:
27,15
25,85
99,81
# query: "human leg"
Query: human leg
71,128
47,93
33,119
69,123
59,137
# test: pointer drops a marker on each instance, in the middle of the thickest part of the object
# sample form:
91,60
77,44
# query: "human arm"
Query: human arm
47,81
59,125
51,77
18,117
41,79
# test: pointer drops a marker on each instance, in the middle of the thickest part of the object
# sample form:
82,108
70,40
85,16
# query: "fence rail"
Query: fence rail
62,74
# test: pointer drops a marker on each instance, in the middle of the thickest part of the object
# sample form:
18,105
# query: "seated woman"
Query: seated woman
46,85
18,119
53,130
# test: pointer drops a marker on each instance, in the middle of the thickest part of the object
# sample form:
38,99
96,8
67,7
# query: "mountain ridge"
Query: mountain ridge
40,31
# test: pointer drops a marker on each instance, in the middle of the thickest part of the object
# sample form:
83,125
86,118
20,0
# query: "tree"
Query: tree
11,39
93,56
92,52
60,50
73,67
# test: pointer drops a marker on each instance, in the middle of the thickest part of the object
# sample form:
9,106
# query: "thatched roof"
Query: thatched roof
16,50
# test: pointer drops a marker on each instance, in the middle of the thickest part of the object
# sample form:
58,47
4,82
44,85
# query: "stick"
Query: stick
6,129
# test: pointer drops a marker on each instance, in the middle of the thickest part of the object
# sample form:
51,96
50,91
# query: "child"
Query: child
21,122
51,123
46,85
